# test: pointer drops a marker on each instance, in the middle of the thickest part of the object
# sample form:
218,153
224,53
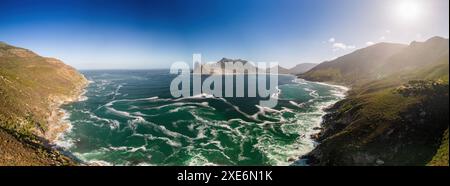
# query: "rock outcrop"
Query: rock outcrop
32,88
399,118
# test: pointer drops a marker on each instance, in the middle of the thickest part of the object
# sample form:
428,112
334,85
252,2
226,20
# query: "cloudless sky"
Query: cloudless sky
111,34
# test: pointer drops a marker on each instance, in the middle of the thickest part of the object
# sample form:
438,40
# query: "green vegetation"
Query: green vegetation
31,87
326,74
397,119
359,67
441,157
376,62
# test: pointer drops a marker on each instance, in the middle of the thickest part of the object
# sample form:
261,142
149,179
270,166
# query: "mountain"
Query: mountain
280,70
298,69
301,68
358,66
31,90
219,67
225,60
395,114
378,61
417,55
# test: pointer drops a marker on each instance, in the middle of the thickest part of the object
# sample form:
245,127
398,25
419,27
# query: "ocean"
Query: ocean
128,117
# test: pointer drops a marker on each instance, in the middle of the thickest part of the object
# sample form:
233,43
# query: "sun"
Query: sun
409,10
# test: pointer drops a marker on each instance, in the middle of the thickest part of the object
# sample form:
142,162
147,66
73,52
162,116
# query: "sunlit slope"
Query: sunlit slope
355,67
379,61
398,119
30,86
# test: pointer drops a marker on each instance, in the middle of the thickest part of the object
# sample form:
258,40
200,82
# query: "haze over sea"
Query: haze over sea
128,117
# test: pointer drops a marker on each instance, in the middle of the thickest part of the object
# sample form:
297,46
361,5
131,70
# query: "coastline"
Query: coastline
342,95
57,122
319,129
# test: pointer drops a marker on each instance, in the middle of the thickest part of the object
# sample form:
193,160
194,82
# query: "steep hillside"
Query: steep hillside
280,70
356,67
301,68
441,157
415,56
31,89
379,61
397,119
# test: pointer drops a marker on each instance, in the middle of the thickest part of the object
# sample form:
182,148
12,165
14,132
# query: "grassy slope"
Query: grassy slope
441,157
377,124
29,86
355,67
382,124
18,151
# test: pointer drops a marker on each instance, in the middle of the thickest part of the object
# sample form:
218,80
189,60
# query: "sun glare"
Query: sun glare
409,10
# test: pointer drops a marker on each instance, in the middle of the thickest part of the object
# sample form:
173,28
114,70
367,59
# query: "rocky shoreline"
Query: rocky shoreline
325,128
328,127
57,124
350,136
329,124
32,90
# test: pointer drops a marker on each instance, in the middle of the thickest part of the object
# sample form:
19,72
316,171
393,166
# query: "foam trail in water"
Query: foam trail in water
211,136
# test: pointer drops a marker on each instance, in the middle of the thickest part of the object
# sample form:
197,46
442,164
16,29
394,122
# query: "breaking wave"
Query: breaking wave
134,121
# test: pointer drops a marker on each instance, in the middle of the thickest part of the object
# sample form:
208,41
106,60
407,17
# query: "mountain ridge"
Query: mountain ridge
351,67
302,68
384,119
219,67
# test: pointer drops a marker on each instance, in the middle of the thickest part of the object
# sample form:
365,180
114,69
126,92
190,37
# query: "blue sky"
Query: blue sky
112,34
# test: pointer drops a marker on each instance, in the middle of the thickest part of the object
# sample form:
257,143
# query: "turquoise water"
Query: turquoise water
130,118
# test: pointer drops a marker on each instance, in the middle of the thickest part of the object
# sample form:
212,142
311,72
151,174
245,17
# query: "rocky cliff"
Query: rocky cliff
395,114
31,90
